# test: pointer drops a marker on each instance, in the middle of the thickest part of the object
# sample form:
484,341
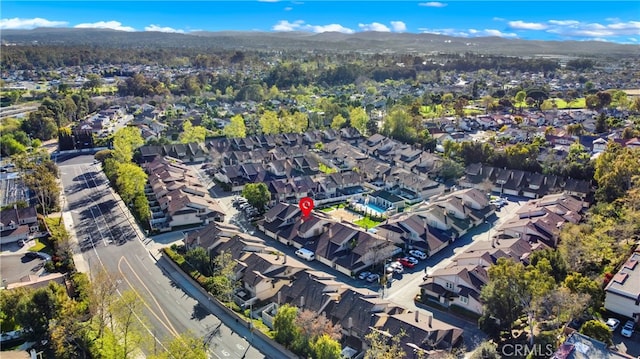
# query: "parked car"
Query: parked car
364,275
395,267
412,260
40,255
499,202
406,262
612,323
32,255
628,328
373,278
418,254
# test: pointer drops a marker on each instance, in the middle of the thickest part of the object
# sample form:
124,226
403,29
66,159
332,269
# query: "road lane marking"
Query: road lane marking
168,324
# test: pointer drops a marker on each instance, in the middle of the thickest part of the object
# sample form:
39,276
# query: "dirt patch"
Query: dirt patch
345,215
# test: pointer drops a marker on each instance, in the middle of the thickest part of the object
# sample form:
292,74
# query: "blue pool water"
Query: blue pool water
375,208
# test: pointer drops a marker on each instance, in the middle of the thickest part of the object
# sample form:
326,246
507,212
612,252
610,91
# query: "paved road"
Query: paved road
107,237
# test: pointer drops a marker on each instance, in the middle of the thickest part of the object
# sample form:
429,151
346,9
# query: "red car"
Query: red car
406,263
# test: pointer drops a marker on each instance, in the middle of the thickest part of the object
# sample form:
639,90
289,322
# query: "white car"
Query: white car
395,267
364,275
373,278
418,254
628,328
612,323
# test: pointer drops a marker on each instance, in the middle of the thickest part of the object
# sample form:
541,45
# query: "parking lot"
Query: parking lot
18,265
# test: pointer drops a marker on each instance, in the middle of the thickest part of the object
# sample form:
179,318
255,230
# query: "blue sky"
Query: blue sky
614,21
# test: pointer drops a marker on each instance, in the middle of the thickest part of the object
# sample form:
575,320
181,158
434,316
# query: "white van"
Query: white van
306,254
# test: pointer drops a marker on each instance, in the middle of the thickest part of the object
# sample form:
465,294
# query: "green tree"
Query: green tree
399,125
141,208
69,332
614,169
199,258
184,346
44,183
102,155
128,325
284,325
191,133
296,122
9,300
39,125
223,282
520,98
450,169
131,180
325,347
597,330
503,294
558,266
486,350
125,141
338,122
37,309
358,118
93,83
582,285
269,122
257,194
236,128
382,345
9,146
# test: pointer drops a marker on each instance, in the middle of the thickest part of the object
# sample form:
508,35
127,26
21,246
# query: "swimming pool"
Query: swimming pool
375,208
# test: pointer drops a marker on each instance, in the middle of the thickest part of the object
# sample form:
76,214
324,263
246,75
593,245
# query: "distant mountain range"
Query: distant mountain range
372,42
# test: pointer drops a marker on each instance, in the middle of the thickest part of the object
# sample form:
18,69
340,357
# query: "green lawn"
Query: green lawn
334,207
366,223
40,247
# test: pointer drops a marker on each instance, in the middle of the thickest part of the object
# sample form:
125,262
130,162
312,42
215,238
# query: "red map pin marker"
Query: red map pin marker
306,205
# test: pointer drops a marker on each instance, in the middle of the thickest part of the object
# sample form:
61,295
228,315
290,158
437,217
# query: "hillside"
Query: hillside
360,42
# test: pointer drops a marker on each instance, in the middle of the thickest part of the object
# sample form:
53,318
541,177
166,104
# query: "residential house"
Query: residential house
458,285
18,224
386,201
580,346
264,274
622,293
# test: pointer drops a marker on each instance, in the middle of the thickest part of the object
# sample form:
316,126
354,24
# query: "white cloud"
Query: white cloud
299,25
27,24
374,26
469,32
498,19
331,28
491,32
564,22
284,25
432,4
398,26
158,28
521,25
114,25
268,0
447,32
288,8
572,28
